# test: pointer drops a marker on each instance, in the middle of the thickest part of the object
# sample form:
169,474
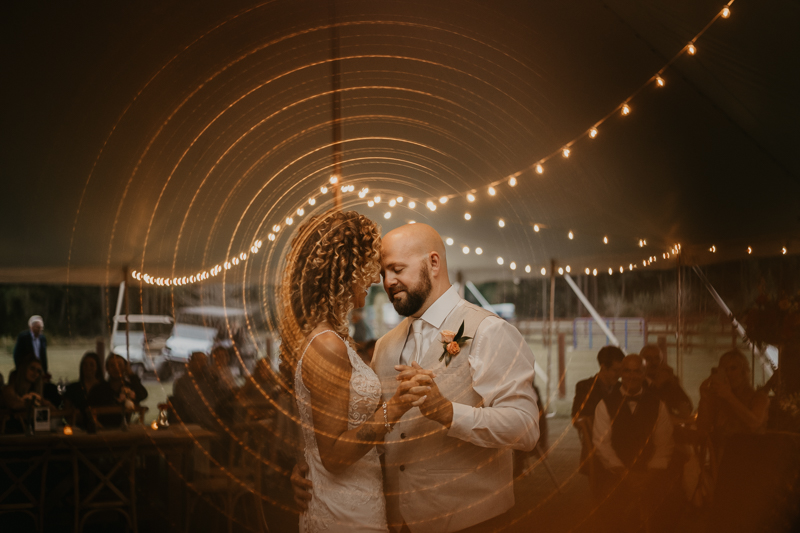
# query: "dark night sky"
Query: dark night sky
172,135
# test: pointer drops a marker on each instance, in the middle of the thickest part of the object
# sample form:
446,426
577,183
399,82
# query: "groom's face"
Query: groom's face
408,285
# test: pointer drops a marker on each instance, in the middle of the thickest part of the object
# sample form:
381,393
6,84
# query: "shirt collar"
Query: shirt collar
625,392
440,309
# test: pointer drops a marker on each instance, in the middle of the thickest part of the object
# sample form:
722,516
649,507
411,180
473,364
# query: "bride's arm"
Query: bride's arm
326,373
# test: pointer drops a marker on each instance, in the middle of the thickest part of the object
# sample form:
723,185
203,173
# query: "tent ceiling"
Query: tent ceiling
170,137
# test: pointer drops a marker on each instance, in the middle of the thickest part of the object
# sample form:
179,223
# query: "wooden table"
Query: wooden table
173,443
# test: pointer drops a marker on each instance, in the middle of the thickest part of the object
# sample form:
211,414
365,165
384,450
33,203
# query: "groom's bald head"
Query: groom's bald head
413,256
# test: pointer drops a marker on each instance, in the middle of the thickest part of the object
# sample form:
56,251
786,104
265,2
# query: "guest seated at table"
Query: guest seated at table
728,403
25,384
589,392
90,375
221,358
662,380
195,393
122,388
633,437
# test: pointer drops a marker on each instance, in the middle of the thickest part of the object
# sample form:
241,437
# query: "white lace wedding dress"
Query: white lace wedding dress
351,501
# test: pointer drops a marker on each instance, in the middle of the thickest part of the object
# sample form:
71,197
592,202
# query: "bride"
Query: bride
332,263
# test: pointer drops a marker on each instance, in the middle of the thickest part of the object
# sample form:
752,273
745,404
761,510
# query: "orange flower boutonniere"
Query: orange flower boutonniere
452,343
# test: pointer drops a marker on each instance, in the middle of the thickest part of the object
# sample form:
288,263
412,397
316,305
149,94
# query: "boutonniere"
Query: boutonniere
452,343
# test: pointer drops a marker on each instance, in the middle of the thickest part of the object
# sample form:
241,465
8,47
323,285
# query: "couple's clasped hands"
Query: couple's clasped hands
418,389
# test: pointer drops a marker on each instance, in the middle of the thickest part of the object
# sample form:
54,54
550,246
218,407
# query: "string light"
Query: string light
465,249
370,203
449,241
621,270
512,182
312,201
276,228
392,202
571,236
431,205
377,199
412,204
565,152
593,133
726,12
478,251
749,250
626,109
271,236
289,221
536,228
543,271
539,169
412,221
594,272
561,271
660,81
301,212
587,271
399,199
713,249
513,265
691,48
334,180
784,250
501,223
323,189
467,216
567,269
528,269
605,240
610,272
470,197
387,215
492,192
499,260
443,200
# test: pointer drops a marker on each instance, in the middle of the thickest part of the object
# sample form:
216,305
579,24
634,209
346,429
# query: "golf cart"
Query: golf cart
144,341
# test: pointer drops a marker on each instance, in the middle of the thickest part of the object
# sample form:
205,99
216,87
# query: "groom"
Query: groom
448,465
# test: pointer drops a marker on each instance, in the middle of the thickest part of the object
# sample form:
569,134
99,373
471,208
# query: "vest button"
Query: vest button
402,435
402,468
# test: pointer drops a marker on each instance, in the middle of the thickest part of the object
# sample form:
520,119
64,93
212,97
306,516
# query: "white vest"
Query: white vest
435,483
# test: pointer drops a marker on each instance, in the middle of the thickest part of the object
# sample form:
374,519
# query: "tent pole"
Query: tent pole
127,322
336,103
595,315
679,322
550,327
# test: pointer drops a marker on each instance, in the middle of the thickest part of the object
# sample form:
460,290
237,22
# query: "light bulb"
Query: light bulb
465,249
543,271
660,81
412,204
784,250
528,269
500,261
312,201
392,202
276,228
536,228
412,221
513,265
501,223
301,212
726,12
478,251
271,236
594,272
610,272
749,250
561,271
630,267
713,249
470,197
605,240
467,216
492,192
289,221
621,270
449,241
571,236
587,271
323,189
512,182
387,215
399,199
626,109
431,205
443,200
377,199
567,269
539,169
593,133
334,180
565,152
692,49
370,203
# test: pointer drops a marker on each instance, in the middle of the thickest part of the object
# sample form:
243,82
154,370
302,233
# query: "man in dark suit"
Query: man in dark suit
32,342
589,392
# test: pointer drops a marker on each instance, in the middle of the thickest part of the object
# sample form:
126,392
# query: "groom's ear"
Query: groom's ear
436,263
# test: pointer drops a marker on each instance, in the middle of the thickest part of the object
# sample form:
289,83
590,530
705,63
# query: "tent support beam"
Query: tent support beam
595,315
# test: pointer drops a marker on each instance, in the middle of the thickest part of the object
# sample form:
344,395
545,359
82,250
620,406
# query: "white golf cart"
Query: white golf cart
144,340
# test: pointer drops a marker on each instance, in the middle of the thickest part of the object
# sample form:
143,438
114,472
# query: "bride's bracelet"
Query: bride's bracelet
389,427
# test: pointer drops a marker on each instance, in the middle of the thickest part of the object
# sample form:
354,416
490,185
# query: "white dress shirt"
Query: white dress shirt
502,367
663,443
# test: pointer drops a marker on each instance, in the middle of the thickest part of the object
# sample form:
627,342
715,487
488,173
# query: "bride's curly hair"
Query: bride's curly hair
328,255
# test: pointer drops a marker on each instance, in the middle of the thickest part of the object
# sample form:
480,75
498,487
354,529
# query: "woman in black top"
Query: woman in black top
91,375
122,388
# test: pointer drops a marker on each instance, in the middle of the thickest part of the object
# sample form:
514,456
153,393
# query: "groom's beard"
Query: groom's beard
411,302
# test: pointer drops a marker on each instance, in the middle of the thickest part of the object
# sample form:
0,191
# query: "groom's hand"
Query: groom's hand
436,407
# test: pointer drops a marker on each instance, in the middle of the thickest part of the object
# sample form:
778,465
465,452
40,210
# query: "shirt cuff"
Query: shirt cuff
461,426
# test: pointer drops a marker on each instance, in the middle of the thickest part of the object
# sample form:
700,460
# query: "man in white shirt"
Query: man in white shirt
448,465
632,434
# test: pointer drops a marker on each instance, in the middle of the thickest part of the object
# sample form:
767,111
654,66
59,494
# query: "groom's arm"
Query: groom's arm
502,368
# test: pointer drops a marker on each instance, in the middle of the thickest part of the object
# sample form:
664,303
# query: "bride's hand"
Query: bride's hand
408,372
410,393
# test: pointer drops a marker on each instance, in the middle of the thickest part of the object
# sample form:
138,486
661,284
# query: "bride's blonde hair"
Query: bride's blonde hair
328,255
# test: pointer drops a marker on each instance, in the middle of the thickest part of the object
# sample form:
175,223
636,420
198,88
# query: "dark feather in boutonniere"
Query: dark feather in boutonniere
452,343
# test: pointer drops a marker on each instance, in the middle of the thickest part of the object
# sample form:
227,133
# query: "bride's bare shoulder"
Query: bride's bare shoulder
326,352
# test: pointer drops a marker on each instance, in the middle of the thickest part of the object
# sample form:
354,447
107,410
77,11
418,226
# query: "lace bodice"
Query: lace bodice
352,500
